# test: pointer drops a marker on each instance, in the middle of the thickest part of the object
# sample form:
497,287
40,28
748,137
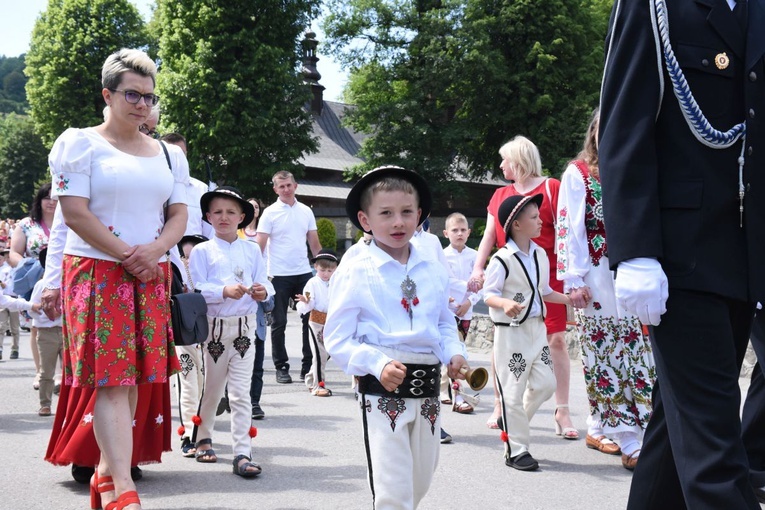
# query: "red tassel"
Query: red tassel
253,432
503,437
196,420
181,430
416,301
321,384
456,386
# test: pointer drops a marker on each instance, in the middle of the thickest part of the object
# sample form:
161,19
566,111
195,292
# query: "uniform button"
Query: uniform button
751,113
705,62
752,76
749,151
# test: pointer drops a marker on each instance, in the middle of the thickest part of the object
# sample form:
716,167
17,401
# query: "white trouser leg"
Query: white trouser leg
190,383
319,356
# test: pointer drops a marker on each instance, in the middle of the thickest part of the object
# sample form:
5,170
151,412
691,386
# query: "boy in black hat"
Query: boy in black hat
389,324
315,301
232,278
516,287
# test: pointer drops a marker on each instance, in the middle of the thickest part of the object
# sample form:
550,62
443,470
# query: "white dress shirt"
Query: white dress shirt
319,299
365,311
461,266
217,263
495,276
39,319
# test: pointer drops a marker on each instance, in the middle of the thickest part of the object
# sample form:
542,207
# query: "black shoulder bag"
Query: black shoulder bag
188,311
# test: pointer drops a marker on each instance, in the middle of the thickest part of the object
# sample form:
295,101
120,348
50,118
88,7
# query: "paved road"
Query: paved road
310,449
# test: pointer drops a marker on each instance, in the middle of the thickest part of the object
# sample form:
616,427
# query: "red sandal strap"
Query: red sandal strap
125,499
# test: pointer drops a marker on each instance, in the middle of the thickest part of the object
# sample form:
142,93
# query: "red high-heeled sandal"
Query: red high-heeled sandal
97,487
124,499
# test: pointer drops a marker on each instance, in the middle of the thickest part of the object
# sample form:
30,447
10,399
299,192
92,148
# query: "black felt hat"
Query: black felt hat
194,239
232,193
353,202
326,254
511,207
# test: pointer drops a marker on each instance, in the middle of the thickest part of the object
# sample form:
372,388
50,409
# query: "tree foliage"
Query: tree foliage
230,84
327,233
70,42
23,163
442,84
13,98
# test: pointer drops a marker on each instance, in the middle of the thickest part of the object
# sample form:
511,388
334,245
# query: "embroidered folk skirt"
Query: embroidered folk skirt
115,327
619,370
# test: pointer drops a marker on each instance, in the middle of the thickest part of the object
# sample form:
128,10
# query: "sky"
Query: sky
18,19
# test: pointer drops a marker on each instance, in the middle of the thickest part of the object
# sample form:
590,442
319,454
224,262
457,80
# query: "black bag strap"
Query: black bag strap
167,154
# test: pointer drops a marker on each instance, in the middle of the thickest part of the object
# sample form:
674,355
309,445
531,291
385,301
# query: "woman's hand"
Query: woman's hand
475,283
141,261
580,297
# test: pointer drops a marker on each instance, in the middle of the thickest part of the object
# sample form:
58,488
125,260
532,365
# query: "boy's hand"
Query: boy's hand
511,308
301,298
455,365
462,309
235,291
258,292
393,375
36,307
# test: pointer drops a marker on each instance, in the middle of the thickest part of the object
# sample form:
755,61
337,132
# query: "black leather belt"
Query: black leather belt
421,381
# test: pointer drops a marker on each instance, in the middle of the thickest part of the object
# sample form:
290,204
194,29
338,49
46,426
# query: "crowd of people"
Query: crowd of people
661,242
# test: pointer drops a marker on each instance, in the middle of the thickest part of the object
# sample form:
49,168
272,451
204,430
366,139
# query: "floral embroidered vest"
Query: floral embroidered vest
518,283
593,214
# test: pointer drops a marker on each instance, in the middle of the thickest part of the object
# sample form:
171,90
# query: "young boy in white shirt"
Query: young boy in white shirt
516,287
389,325
315,300
460,259
232,277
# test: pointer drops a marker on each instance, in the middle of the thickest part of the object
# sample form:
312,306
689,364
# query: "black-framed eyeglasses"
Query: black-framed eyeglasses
132,97
143,128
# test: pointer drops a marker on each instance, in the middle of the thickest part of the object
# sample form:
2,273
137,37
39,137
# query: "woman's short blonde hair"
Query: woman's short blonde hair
522,151
126,60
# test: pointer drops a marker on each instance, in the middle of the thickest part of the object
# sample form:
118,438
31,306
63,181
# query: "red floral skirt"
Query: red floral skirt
116,328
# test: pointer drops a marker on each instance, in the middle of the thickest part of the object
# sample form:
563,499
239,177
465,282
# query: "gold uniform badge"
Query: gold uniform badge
722,61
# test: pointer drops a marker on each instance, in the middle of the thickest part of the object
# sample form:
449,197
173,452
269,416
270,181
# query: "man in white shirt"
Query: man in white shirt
283,230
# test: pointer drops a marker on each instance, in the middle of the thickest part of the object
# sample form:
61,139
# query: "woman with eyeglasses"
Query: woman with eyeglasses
123,197
29,238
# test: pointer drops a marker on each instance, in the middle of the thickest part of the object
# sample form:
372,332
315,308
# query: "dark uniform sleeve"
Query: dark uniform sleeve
630,101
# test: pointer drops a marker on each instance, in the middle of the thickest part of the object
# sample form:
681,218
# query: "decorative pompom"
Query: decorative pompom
503,436
416,301
456,386
196,420
181,430
321,384
253,432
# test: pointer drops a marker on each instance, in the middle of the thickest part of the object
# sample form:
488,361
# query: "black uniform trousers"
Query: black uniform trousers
753,417
692,451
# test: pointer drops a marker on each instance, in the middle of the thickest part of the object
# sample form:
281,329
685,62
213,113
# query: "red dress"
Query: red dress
556,314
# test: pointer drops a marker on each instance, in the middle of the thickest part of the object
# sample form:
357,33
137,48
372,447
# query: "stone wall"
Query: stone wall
481,338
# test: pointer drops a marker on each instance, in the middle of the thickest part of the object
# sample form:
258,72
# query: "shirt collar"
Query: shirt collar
513,248
223,242
285,205
380,258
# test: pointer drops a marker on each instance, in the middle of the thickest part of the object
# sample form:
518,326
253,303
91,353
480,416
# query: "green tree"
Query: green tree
229,83
327,233
13,98
70,43
23,162
442,84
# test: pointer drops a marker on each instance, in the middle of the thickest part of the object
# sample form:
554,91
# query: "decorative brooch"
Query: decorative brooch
410,299
239,274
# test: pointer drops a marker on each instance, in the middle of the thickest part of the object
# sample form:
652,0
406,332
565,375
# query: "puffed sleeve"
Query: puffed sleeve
69,164
571,233
180,167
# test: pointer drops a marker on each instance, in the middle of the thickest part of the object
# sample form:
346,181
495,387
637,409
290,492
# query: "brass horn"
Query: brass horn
475,377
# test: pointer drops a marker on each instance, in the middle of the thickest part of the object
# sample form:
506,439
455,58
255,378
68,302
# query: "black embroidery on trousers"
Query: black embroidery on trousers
430,409
187,364
517,365
215,348
546,359
392,408
241,344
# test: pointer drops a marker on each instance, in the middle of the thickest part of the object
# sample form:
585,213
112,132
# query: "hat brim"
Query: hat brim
353,202
526,200
247,208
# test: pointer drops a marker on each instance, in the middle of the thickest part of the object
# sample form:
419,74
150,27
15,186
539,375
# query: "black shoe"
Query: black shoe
188,449
1,355
283,376
302,376
445,437
223,407
7,332
14,354
136,473
523,462
82,474
257,412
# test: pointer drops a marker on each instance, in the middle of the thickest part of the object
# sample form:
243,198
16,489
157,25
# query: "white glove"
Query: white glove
642,289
